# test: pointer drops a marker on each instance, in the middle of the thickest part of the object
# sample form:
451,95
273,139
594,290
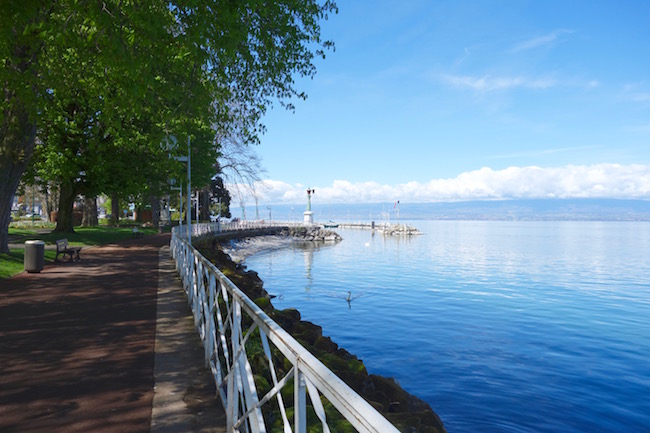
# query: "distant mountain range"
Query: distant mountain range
539,209
557,209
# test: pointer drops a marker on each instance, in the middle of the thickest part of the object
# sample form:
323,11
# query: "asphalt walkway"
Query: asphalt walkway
105,344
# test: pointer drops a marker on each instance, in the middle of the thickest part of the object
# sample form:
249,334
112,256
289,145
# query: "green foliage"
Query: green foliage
103,83
220,198
356,366
263,303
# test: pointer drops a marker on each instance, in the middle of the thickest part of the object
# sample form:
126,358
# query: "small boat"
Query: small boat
330,225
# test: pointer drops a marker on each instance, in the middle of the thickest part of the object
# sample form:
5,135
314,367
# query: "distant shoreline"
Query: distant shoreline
479,210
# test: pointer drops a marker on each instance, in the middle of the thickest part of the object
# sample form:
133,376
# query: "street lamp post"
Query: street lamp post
189,193
219,217
171,143
180,206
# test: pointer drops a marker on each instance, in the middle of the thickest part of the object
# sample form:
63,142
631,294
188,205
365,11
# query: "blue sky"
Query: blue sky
455,100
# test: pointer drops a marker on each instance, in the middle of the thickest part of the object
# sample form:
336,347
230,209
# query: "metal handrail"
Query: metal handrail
221,313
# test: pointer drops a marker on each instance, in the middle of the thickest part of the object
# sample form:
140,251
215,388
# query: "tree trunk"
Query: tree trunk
54,197
17,135
155,210
17,130
7,190
205,204
90,212
115,209
65,218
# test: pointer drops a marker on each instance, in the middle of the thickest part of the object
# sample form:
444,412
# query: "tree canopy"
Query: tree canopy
91,89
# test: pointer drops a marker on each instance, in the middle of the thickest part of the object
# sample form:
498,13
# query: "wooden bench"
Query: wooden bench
71,252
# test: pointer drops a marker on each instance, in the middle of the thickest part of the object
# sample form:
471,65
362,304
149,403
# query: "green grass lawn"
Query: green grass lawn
13,263
83,236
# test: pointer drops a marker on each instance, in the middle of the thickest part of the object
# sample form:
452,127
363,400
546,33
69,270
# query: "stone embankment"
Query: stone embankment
406,411
311,234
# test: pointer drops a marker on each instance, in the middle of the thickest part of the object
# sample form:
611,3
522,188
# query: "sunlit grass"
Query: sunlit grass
13,263
83,236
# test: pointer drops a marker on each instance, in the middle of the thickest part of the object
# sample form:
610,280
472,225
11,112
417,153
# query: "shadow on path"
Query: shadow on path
77,342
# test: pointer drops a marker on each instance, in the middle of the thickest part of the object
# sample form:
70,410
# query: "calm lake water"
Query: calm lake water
499,326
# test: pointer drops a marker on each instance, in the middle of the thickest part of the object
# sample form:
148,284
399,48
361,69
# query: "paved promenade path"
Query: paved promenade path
83,345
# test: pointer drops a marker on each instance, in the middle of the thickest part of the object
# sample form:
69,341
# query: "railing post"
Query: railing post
300,400
233,382
209,315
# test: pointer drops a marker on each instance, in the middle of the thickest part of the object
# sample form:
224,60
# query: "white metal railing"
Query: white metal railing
237,335
219,227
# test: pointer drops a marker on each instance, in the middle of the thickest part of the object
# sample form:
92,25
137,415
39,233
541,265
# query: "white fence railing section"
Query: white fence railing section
262,374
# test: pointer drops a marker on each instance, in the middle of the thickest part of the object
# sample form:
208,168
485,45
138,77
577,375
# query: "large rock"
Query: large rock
312,234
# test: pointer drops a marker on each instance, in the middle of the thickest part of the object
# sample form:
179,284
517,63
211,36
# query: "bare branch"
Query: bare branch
240,165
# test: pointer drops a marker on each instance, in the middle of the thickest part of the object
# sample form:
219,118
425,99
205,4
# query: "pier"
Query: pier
258,228
383,228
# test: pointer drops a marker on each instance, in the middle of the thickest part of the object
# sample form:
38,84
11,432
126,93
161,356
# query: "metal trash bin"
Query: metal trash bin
34,256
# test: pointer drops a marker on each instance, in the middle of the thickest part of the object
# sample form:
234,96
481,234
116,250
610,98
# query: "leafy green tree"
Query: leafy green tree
102,83
214,199
19,46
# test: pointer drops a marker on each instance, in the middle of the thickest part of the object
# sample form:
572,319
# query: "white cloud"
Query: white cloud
573,181
549,151
487,83
637,92
639,97
540,41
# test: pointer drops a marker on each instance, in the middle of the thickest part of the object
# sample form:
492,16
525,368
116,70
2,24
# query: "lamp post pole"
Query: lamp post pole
170,143
180,206
189,194
219,217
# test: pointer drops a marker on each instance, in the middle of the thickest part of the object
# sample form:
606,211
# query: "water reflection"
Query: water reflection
501,326
309,261
308,249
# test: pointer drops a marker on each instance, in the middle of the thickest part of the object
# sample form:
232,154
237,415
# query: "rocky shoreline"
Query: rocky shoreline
407,412
311,234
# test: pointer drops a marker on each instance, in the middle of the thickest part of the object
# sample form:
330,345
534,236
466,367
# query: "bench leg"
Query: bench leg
68,256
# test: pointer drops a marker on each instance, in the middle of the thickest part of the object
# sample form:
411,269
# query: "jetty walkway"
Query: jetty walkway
381,227
106,344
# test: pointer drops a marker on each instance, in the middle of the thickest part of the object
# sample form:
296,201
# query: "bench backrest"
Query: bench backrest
61,244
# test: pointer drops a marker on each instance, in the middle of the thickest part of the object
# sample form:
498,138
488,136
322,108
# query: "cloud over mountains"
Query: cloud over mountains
572,181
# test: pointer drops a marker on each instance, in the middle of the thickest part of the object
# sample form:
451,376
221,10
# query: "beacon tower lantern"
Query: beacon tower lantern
308,214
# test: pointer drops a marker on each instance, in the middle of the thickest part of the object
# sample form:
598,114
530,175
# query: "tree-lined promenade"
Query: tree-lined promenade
93,91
